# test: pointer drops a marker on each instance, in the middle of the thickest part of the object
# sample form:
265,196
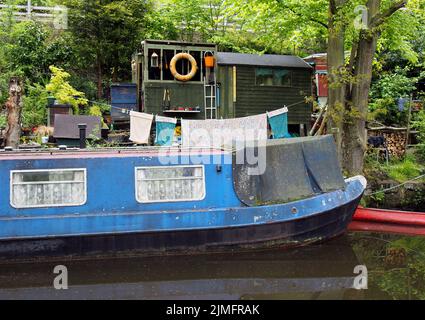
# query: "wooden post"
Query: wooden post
323,125
14,107
316,123
409,119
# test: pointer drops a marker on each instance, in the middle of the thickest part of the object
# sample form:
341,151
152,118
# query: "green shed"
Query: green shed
237,85
158,90
252,84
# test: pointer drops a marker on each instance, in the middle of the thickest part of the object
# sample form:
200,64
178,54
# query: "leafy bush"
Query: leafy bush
35,103
3,120
419,124
384,95
95,111
404,170
84,84
60,88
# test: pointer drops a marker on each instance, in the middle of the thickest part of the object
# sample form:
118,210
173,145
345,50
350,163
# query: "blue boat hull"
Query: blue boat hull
295,232
119,203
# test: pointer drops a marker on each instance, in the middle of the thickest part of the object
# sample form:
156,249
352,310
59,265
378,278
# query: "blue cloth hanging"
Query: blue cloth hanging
279,125
402,103
164,133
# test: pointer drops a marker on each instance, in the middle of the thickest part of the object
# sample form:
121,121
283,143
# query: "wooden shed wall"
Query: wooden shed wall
181,94
252,99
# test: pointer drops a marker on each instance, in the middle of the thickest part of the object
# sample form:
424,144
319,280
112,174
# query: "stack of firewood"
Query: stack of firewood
395,140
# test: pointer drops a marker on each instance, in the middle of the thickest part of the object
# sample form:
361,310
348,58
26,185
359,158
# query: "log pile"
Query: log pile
395,141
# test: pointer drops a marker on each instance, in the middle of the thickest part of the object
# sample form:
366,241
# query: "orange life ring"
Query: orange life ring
192,61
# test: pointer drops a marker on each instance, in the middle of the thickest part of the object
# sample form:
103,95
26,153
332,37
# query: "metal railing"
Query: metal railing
56,15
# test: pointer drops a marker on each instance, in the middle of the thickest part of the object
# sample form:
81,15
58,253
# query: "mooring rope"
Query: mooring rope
396,186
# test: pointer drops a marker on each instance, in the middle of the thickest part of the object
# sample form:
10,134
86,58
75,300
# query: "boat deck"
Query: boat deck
108,152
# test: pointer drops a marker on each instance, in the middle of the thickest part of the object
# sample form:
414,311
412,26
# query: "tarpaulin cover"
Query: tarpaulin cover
295,169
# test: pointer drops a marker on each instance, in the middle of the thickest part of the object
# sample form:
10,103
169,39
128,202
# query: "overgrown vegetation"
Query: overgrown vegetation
34,111
61,89
387,89
419,124
404,170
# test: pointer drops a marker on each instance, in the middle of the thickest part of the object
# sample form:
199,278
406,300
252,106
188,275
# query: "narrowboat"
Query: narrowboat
168,200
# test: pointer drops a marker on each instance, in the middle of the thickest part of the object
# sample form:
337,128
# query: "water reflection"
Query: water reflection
396,269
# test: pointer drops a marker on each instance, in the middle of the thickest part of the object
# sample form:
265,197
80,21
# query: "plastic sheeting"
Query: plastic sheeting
295,169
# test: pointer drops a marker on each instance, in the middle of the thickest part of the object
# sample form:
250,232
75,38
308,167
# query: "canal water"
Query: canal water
391,266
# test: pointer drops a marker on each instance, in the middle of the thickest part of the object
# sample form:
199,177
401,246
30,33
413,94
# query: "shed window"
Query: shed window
273,77
48,188
170,184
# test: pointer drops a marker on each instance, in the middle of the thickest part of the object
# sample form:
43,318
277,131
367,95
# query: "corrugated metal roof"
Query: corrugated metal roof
267,60
66,126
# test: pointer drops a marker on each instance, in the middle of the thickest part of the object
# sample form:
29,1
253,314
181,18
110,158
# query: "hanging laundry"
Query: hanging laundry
165,128
140,127
278,121
222,133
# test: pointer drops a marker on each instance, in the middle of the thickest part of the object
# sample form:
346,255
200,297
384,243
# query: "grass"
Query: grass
404,170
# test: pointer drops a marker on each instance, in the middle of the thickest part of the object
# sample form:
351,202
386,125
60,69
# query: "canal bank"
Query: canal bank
409,197
397,185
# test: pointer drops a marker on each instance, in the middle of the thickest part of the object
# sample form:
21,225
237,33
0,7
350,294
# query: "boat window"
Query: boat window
48,188
170,184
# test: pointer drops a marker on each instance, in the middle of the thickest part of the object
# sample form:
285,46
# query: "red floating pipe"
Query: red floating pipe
390,216
365,226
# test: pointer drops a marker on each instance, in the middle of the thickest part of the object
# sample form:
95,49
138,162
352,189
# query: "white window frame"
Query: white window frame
46,182
204,192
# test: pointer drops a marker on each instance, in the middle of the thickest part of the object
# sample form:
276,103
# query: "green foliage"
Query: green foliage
158,25
104,36
60,88
27,50
378,198
189,19
101,107
34,108
419,124
31,49
404,170
251,26
384,94
3,120
83,83
95,111
98,109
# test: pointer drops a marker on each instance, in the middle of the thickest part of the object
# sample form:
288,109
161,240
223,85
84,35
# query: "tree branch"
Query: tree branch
380,18
284,6
332,6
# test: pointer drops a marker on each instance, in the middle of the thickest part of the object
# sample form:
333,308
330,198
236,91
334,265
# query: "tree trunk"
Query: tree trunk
336,63
99,80
14,107
355,136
